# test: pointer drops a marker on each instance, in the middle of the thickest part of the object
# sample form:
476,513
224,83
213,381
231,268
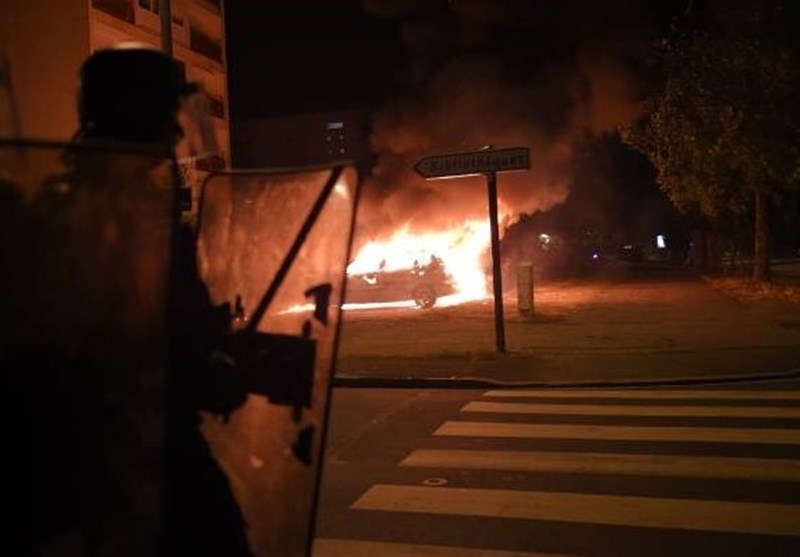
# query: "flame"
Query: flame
460,249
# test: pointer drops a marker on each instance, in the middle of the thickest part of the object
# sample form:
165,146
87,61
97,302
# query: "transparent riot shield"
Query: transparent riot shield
275,246
85,241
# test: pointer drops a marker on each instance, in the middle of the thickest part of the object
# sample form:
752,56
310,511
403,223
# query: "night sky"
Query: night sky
306,56
443,76
295,56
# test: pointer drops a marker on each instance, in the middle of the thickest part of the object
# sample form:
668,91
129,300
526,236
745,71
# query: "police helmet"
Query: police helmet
131,94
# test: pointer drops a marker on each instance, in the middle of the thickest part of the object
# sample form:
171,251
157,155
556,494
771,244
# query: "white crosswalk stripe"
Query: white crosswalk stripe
622,433
650,394
533,422
670,466
634,410
652,512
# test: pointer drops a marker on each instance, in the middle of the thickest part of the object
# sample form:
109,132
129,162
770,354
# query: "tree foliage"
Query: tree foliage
723,126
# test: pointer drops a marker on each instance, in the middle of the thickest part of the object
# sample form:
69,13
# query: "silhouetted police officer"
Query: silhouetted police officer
130,98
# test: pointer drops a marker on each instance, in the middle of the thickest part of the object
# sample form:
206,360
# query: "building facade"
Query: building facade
301,139
44,42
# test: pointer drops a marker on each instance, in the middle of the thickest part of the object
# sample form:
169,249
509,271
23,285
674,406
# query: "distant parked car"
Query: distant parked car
631,253
422,284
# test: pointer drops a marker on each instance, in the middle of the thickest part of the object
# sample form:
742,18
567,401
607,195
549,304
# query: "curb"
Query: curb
481,383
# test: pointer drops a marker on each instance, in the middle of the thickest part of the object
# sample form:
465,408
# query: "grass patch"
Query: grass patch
540,319
745,289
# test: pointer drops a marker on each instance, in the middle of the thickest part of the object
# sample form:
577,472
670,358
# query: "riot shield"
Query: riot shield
85,241
275,246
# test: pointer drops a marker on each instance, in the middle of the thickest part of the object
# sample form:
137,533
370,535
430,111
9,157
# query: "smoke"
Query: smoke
503,73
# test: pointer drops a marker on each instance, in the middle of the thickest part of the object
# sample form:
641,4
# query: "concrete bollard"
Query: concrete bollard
525,288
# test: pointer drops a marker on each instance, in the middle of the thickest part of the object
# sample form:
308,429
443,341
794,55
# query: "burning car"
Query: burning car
423,284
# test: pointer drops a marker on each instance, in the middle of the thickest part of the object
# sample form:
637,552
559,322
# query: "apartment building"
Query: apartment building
44,43
301,139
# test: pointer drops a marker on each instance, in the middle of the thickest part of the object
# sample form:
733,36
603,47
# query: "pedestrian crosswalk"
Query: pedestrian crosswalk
691,471
662,512
623,433
761,469
632,410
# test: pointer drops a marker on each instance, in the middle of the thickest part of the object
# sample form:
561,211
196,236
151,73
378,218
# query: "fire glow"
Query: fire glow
461,249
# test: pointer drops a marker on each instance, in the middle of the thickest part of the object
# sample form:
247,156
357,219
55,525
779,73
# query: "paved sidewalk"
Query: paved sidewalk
662,326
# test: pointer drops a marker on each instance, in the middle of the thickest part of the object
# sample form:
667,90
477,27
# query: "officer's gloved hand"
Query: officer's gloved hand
225,389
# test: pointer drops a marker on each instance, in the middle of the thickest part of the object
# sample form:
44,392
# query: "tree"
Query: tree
723,126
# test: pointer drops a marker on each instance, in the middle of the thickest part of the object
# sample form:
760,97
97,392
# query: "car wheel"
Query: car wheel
424,296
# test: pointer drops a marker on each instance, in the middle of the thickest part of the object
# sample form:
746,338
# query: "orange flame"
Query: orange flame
460,249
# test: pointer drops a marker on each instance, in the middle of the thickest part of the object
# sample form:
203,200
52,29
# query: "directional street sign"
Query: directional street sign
487,162
474,163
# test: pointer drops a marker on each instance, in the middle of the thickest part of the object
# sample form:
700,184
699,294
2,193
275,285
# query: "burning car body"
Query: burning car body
424,284
426,267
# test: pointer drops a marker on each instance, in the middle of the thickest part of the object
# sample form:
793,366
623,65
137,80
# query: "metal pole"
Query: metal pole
497,280
525,288
165,11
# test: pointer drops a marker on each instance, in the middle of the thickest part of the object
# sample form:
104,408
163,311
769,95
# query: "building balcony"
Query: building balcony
120,9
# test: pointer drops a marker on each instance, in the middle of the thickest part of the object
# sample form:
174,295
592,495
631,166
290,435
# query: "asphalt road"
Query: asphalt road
711,470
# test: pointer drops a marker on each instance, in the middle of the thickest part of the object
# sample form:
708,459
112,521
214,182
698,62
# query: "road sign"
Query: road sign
487,162
474,163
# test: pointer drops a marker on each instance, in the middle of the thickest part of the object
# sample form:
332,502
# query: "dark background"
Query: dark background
306,56
291,56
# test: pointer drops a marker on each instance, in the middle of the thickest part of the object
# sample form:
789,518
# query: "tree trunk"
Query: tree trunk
761,267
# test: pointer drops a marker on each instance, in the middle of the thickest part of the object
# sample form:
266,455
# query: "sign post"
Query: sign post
487,162
497,276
